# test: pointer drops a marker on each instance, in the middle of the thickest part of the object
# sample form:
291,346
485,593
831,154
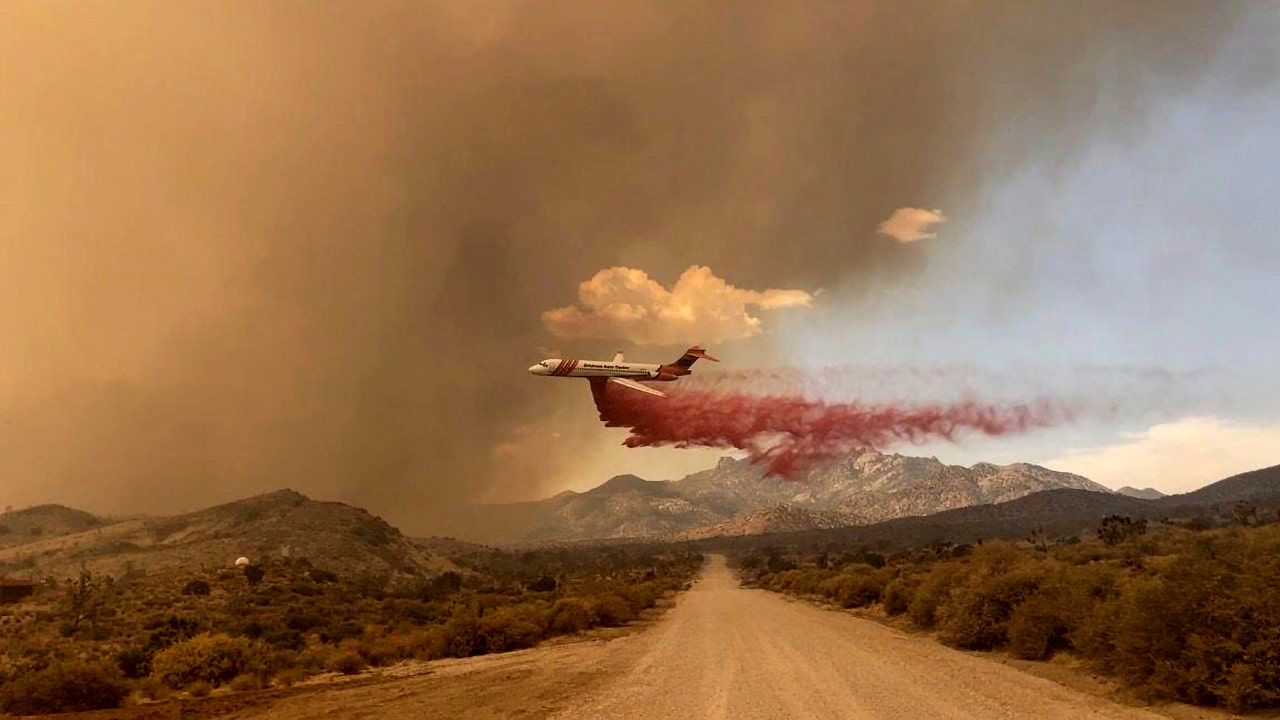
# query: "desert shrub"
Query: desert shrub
377,651
639,596
319,575
169,631
415,612
860,589
976,616
288,677
1115,529
610,610
935,589
420,643
546,583
337,632
196,587
199,689
897,596
569,615
306,589
64,687
800,582
460,636
1205,628
242,683
210,658
135,663
508,629
254,574
1037,627
284,638
152,689
348,663
303,620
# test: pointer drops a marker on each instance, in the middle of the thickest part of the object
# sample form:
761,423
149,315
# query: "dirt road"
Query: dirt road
721,652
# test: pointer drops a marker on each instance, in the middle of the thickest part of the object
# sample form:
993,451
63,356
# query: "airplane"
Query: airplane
620,372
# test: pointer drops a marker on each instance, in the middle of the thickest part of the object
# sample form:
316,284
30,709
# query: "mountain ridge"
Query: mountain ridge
859,488
284,523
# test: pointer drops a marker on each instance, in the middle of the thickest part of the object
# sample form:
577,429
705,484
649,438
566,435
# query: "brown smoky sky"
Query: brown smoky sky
249,245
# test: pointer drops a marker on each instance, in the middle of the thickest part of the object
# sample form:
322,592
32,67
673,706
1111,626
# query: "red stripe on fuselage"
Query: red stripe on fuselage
565,367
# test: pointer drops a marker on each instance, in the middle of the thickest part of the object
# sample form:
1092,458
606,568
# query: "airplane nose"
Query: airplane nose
534,369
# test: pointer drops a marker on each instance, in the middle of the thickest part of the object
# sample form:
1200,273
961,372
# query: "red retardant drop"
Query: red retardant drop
791,434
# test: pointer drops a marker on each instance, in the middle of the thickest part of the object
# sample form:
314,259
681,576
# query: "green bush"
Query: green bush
64,687
209,658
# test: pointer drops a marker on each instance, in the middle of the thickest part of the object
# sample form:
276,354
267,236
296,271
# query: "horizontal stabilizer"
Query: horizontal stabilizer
636,386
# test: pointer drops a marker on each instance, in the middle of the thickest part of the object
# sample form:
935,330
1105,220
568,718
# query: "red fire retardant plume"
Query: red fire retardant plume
791,434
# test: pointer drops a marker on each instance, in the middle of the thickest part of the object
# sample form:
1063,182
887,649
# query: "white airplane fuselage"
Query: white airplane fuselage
619,372
557,367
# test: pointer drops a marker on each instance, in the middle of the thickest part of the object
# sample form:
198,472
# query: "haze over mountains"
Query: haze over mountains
735,498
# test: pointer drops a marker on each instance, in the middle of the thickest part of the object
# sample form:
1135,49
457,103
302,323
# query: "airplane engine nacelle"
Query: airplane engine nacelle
666,377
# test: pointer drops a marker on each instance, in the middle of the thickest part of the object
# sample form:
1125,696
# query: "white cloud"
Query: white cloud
908,224
1178,456
625,303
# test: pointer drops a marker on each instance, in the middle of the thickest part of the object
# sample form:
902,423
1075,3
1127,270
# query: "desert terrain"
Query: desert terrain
722,651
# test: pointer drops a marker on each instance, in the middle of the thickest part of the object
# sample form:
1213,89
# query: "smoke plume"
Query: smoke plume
255,245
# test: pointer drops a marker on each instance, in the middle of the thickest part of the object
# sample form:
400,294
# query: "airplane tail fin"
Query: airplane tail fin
691,356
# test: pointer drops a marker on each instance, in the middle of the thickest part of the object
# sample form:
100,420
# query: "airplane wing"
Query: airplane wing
636,386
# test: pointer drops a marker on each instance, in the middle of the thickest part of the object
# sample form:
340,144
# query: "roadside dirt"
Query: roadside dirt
722,651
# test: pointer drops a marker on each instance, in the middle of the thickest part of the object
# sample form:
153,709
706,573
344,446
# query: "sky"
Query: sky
252,246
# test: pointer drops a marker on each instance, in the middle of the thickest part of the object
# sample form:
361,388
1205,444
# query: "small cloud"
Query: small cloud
909,224
1179,456
625,303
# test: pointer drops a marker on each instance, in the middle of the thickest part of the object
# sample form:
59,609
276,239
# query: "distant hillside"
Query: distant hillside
1054,513
1256,485
776,519
334,536
1143,494
19,527
860,488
